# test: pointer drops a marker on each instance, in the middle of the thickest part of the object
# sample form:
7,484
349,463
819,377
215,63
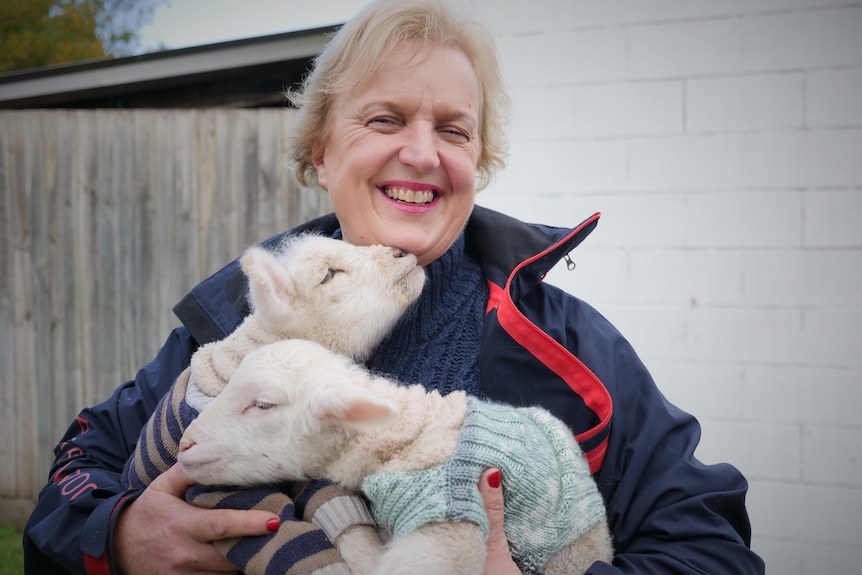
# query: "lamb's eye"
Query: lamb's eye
263,405
330,273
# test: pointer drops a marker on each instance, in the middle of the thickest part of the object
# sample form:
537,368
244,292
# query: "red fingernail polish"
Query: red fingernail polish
272,524
495,478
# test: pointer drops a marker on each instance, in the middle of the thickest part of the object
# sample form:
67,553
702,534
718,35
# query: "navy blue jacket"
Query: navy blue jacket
668,512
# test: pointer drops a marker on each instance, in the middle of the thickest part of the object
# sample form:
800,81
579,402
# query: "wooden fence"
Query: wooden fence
107,218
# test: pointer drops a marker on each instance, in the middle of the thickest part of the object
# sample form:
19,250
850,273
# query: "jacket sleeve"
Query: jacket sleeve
668,512
71,526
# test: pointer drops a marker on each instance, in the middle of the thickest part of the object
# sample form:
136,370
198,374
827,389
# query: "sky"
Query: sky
182,23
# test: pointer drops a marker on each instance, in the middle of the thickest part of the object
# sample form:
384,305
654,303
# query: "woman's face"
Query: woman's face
400,158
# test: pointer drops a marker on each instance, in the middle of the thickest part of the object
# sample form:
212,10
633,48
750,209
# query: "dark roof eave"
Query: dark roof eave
56,83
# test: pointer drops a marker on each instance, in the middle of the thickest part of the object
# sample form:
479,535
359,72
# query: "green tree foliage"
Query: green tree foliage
43,32
118,22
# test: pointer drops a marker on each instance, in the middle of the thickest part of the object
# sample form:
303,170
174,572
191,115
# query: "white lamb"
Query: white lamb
295,410
345,297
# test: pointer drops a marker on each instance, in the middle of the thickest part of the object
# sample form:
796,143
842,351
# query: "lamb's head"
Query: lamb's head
342,296
283,416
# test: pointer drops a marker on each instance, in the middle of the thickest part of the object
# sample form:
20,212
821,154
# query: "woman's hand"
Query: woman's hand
161,533
499,560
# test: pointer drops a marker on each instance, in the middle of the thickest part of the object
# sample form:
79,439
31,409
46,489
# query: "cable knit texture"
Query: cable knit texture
436,342
498,436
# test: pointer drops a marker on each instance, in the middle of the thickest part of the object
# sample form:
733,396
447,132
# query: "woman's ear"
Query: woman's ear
317,153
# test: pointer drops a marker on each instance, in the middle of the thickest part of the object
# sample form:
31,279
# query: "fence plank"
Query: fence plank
67,375
10,156
109,217
42,149
21,241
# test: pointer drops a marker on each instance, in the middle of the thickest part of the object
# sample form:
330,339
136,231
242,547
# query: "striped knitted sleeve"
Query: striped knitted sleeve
160,438
297,547
330,507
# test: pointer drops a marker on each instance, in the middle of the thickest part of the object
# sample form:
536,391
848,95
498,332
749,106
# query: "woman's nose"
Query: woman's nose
419,150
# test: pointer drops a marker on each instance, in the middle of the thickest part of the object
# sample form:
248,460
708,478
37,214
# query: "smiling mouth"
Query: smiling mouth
415,197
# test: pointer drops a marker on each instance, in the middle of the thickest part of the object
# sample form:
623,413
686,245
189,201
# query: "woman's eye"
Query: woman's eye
455,133
385,123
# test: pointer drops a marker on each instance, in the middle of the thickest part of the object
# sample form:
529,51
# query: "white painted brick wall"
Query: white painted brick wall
630,117
722,141
745,103
832,218
833,98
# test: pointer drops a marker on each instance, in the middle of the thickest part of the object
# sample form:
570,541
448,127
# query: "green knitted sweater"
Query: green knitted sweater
551,499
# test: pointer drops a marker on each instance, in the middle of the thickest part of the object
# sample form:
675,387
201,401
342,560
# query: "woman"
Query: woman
401,122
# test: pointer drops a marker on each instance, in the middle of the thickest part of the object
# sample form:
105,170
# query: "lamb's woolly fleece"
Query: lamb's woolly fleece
424,434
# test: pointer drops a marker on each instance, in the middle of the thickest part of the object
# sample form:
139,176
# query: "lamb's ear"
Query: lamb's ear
269,283
351,405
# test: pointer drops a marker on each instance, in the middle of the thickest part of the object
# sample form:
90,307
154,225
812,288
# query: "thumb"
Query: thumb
498,560
174,481
491,489
207,525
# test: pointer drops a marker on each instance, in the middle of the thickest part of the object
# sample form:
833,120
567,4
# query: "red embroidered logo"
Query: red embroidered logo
75,484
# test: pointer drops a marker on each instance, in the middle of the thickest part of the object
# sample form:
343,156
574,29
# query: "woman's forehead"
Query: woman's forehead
405,78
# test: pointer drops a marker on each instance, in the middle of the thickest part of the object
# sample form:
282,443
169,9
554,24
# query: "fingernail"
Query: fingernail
494,479
272,524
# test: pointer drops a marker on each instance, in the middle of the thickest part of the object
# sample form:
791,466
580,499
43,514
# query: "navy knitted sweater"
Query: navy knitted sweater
437,341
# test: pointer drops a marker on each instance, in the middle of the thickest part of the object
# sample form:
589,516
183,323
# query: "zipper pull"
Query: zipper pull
570,265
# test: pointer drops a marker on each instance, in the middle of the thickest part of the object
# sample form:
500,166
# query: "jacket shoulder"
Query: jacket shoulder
214,307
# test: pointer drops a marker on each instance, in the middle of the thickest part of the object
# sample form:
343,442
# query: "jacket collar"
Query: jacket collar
505,244
521,252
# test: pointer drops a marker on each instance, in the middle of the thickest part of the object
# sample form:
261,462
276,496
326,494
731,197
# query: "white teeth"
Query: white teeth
410,196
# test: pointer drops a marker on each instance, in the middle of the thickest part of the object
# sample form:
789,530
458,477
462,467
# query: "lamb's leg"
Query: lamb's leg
214,363
436,549
577,556
360,547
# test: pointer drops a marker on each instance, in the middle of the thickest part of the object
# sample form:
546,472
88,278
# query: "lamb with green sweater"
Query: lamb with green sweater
305,412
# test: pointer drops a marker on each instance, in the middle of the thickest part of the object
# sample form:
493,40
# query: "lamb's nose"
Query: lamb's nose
186,444
398,253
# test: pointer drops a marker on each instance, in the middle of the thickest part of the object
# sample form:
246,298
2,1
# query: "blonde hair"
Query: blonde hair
358,50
